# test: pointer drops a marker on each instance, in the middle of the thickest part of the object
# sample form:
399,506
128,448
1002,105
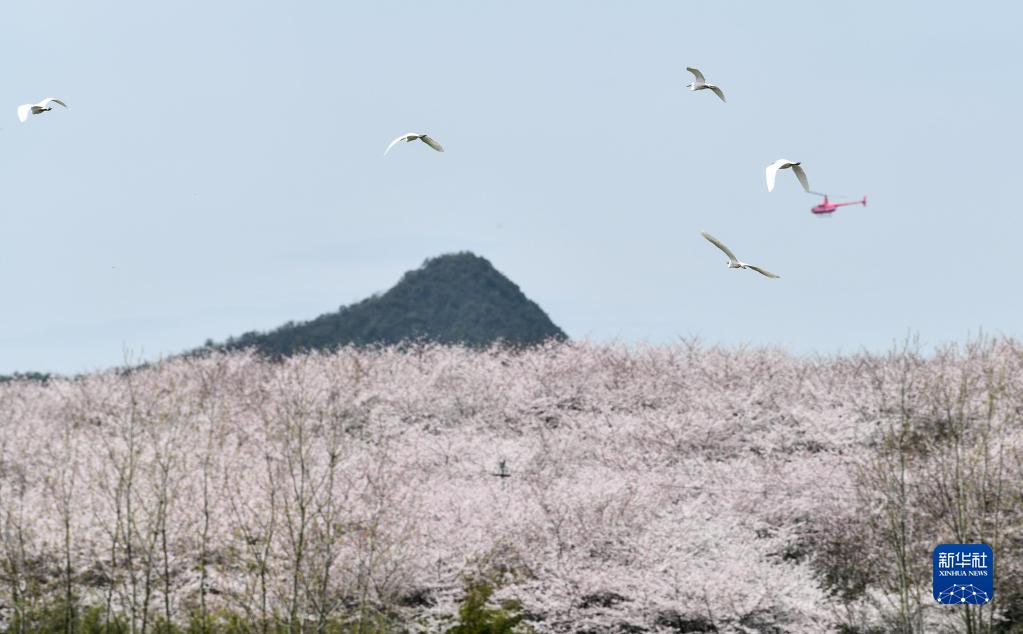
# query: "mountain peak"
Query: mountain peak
456,298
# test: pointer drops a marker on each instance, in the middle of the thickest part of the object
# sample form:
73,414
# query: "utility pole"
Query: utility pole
502,472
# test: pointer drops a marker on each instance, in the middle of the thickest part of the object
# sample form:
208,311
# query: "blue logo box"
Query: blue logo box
963,574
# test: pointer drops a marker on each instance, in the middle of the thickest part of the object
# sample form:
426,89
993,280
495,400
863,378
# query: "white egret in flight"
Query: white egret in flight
37,108
412,136
701,83
783,164
733,262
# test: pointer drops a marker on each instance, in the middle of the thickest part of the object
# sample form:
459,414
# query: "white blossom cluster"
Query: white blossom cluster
601,487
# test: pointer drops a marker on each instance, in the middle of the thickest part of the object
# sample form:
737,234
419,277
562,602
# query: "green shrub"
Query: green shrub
474,617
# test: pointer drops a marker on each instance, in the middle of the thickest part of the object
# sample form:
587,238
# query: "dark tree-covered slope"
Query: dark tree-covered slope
455,298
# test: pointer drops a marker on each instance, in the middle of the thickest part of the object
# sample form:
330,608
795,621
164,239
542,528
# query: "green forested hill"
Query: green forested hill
455,298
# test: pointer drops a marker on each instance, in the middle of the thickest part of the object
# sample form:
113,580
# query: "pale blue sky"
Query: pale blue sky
220,167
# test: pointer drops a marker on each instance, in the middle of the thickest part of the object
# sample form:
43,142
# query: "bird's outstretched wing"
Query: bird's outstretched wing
23,111
763,272
801,175
429,141
717,91
46,101
771,173
698,74
398,140
718,244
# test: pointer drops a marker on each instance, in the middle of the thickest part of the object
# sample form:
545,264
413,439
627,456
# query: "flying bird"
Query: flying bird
701,83
783,164
37,108
412,136
733,262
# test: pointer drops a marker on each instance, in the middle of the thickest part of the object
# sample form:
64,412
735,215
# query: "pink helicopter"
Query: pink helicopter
827,207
